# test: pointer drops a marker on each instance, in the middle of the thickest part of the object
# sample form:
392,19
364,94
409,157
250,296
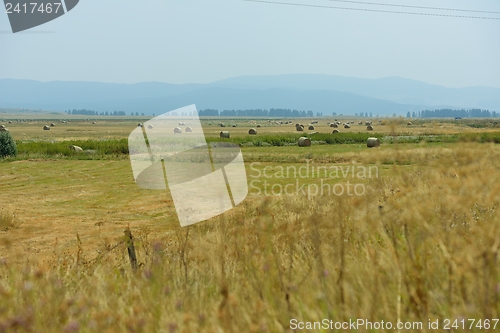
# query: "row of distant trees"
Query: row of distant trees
441,113
259,113
213,112
361,114
106,113
444,113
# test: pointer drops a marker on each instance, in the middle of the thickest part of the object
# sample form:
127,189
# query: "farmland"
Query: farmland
421,243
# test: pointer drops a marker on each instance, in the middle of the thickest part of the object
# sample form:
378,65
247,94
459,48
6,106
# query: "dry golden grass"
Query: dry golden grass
421,244
7,220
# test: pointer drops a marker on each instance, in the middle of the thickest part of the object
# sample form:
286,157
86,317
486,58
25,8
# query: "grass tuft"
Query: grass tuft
7,221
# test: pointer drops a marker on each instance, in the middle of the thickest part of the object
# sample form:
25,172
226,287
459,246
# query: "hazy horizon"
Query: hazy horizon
244,76
320,93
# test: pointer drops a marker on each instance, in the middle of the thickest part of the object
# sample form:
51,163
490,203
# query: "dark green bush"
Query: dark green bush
7,145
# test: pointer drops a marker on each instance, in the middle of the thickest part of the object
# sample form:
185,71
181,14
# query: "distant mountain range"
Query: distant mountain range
319,93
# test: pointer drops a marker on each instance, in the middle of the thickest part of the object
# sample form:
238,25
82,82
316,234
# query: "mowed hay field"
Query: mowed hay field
420,243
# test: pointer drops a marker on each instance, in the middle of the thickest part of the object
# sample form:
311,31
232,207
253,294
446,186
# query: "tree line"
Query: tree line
106,113
440,113
445,113
259,113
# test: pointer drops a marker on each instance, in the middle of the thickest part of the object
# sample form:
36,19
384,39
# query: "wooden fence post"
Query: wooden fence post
131,249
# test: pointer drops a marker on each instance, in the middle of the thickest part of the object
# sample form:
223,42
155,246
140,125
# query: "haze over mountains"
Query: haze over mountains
319,93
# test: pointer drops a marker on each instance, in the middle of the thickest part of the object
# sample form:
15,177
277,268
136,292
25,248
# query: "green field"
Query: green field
420,242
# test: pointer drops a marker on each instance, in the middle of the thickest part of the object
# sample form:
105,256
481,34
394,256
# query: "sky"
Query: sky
201,41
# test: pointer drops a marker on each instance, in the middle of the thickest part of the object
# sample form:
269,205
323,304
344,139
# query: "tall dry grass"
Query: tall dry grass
422,244
7,220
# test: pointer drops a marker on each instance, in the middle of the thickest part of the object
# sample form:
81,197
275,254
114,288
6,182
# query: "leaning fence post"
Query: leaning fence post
131,249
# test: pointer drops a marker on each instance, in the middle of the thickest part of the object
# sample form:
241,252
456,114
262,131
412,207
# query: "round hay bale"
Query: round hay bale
258,125
360,123
299,128
304,142
3,129
372,142
188,129
139,125
347,126
2,126
76,148
10,121
46,128
335,131
311,128
52,125
234,125
64,121
252,131
222,125
224,134
182,124
369,128
334,125
409,123
93,123
150,126
177,130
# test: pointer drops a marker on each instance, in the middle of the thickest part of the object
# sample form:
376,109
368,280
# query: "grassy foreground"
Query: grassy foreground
421,244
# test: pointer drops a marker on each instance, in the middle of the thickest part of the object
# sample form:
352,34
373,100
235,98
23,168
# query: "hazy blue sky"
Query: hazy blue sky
186,41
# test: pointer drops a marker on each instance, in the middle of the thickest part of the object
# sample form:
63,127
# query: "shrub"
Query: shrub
7,145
